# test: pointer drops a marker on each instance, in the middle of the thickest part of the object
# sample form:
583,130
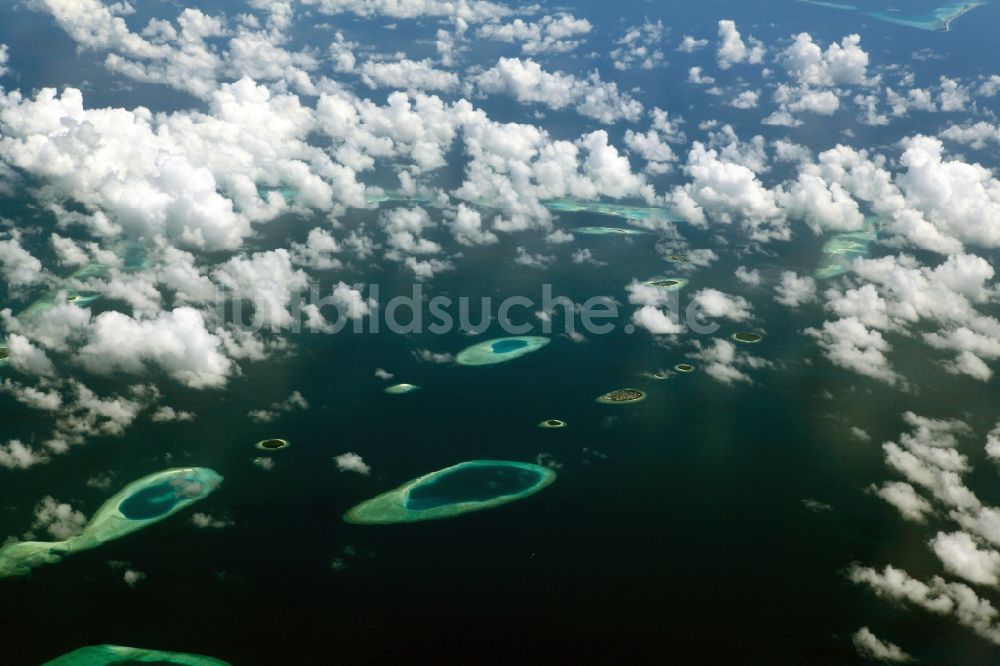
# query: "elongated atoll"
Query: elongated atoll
469,486
552,423
139,504
634,213
684,367
938,19
622,396
607,231
400,389
106,655
500,350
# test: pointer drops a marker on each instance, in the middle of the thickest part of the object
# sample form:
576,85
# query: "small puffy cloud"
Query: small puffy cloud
840,64
639,47
467,227
204,520
794,290
872,647
905,498
962,556
724,363
689,44
750,277
976,136
849,344
132,577
18,267
294,402
715,304
697,77
428,356
58,519
16,455
557,33
318,251
724,191
732,50
406,74
539,261
352,462
166,414
27,358
745,100
177,342
526,81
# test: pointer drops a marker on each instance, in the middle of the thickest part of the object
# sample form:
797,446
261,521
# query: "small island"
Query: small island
660,374
747,338
684,367
106,655
500,350
552,423
400,389
622,396
668,284
274,444
678,258
463,488
4,355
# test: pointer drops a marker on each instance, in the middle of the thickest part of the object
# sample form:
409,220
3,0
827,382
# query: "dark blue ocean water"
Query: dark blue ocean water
675,531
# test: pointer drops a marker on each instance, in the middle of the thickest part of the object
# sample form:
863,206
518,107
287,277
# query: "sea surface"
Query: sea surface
709,523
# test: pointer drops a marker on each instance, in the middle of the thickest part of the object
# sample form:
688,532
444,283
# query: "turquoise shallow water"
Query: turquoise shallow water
150,502
470,484
507,346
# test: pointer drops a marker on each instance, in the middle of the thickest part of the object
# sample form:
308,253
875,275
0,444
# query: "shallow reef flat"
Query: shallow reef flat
607,231
937,18
106,655
842,249
634,213
463,488
139,504
500,350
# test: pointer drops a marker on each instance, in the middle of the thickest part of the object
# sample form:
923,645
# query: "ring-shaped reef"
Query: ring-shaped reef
552,423
400,389
500,350
607,231
747,337
622,397
684,367
106,655
469,486
273,444
139,504
667,283
660,375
